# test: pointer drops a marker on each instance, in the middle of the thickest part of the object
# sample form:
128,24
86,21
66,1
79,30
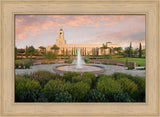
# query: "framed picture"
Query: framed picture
79,58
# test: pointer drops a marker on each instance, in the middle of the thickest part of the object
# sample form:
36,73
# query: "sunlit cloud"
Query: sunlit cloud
99,29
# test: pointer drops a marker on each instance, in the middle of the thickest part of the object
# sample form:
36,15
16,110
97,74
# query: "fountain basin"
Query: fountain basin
96,69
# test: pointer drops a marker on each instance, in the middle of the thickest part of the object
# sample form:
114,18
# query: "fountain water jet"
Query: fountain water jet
79,60
79,65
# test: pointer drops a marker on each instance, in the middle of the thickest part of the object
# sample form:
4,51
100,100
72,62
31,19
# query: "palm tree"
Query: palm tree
118,49
55,48
104,47
43,50
21,51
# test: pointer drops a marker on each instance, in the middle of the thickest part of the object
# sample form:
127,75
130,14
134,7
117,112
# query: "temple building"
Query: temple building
86,49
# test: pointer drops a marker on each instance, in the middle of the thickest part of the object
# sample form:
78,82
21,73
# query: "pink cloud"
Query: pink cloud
33,25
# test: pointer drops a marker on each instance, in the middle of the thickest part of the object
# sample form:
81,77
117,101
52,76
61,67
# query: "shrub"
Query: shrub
18,66
128,86
63,97
51,55
26,90
121,75
69,75
76,79
130,67
44,76
87,80
95,96
54,87
140,93
102,76
122,97
109,87
89,75
80,89
27,66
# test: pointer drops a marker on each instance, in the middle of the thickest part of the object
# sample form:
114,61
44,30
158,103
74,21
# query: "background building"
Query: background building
86,49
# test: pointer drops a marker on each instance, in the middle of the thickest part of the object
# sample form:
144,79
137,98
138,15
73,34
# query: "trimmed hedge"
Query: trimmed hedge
95,96
63,97
54,87
69,75
43,86
44,76
80,89
26,90
128,86
109,86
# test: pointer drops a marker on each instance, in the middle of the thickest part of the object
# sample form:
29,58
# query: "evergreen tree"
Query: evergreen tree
26,52
130,50
140,50
16,53
66,52
31,51
72,51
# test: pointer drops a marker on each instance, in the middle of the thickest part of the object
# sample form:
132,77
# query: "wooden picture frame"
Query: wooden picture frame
151,8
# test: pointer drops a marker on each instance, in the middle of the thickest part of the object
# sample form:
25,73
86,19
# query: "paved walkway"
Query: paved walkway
109,69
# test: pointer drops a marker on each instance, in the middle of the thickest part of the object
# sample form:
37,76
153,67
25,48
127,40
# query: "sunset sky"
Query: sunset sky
42,30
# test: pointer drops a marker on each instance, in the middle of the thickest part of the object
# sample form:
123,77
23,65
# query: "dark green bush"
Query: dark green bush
69,75
89,75
54,87
130,67
87,80
95,96
76,79
121,75
63,97
140,93
128,85
44,76
26,90
109,87
104,76
18,66
122,97
80,89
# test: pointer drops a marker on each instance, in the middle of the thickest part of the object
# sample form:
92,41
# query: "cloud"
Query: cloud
115,28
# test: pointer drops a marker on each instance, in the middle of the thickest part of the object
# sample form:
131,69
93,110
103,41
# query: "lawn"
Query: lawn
21,60
139,61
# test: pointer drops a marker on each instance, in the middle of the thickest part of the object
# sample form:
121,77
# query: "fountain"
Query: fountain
79,65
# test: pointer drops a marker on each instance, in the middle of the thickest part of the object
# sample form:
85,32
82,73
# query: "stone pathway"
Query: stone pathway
109,69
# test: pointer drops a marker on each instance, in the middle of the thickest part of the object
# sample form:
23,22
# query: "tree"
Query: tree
140,51
130,50
55,48
63,52
118,49
31,51
97,51
43,50
21,51
104,48
72,51
51,55
136,51
26,52
144,52
16,52
110,51
66,52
